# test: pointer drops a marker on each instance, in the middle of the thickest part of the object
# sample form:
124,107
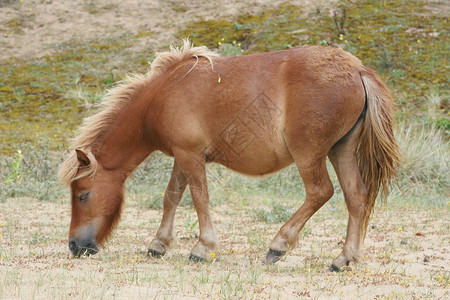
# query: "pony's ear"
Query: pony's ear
82,158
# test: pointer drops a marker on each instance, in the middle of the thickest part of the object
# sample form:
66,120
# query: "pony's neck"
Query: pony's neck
126,145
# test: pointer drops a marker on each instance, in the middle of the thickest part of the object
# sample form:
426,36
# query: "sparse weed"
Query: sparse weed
279,213
15,166
189,226
254,238
19,95
434,99
85,99
339,19
425,175
32,173
230,49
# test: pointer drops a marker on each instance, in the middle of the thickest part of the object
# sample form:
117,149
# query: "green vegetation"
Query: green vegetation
46,98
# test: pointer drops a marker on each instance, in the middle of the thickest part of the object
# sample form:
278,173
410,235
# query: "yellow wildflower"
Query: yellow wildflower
399,229
212,255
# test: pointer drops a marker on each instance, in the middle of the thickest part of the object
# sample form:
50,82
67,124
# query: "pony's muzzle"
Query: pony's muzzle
80,248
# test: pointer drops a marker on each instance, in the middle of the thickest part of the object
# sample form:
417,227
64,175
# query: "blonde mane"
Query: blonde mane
95,127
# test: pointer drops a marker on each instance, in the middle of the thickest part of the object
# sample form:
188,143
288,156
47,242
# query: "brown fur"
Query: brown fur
334,64
254,114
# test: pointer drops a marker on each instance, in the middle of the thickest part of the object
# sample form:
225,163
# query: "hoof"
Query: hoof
196,258
273,256
334,268
154,253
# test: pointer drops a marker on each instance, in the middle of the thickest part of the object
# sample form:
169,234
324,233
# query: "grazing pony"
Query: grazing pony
254,114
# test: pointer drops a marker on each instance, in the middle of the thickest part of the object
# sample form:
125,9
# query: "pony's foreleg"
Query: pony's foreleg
318,191
193,167
172,198
343,158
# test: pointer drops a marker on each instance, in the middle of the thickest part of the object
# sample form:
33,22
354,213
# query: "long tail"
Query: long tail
378,153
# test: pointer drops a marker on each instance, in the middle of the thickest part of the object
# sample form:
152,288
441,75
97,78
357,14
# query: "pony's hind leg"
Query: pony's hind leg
343,158
318,191
172,196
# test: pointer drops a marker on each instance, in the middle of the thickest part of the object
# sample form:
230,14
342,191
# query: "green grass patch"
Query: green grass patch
47,97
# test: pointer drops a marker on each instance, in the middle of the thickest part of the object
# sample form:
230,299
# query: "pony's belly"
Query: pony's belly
260,169
252,157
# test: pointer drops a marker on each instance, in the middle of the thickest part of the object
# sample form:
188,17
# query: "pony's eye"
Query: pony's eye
83,196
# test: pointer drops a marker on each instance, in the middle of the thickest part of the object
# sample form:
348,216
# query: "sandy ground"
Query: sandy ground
404,257
35,28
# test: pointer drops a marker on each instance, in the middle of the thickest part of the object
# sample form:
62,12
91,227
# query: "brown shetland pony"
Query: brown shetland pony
254,114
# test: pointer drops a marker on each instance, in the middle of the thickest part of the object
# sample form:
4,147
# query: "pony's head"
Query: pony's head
97,196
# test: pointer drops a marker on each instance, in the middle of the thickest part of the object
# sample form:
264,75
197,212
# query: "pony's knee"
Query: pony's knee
327,192
322,193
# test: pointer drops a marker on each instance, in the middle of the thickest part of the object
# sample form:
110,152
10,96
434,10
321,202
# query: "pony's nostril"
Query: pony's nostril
72,246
